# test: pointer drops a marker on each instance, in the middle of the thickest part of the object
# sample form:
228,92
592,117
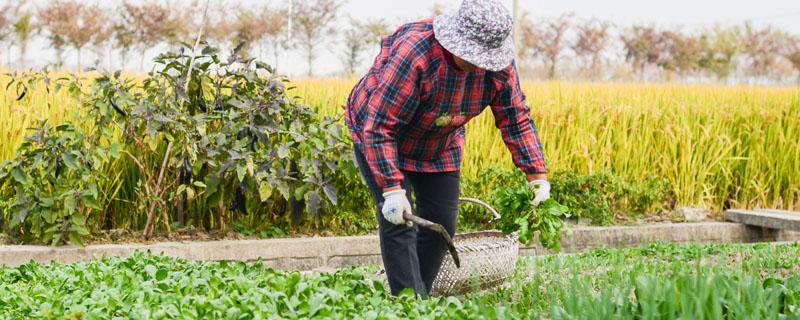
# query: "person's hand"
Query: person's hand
541,191
395,204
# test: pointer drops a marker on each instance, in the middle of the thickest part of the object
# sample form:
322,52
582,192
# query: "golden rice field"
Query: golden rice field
712,143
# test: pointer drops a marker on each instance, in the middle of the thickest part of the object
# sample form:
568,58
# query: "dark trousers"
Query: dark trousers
412,256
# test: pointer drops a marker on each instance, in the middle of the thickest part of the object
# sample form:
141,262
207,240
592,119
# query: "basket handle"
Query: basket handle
483,204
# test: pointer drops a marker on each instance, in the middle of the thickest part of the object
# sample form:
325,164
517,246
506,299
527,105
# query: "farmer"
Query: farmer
407,117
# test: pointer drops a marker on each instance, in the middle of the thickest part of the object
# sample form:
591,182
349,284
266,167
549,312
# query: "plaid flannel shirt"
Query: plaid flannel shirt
408,113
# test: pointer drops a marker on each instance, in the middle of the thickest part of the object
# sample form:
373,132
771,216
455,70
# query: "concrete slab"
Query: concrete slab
767,218
324,253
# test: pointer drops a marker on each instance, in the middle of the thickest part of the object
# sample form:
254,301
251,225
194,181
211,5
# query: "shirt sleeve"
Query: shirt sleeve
513,118
391,105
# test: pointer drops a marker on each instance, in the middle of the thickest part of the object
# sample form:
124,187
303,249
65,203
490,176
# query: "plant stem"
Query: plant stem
148,227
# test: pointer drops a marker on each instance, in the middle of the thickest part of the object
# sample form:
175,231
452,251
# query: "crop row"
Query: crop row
651,282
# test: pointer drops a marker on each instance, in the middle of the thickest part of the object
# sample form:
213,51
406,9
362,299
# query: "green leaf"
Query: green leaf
283,150
115,149
70,160
313,202
264,191
190,194
241,172
212,184
300,192
75,239
161,274
70,204
19,176
91,202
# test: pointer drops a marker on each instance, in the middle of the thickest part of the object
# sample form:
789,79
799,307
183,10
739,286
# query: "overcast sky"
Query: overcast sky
690,14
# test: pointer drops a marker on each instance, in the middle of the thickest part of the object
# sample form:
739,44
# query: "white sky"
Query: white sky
690,14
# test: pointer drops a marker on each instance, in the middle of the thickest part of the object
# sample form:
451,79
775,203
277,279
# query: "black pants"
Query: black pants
411,256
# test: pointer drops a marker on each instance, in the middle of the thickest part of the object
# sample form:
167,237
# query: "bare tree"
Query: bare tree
792,53
315,21
220,23
552,41
357,38
73,23
528,38
641,47
275,20
101,41
678,52
592,39
719,47
762,47
23,30
249,28
6,23
143,24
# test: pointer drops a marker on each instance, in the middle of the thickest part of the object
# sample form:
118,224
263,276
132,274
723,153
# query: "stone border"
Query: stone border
326,253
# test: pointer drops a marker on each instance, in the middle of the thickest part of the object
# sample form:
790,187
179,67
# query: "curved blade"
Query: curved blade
438,228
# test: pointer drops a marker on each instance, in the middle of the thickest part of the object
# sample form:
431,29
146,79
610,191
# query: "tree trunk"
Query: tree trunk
552,72
277,54
23,51
123,57
310,64
141,60
79,60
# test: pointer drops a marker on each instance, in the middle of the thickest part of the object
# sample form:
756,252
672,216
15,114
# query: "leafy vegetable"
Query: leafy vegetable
518,214
659,281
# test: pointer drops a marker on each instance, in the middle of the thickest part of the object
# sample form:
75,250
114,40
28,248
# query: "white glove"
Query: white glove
541,191
395,204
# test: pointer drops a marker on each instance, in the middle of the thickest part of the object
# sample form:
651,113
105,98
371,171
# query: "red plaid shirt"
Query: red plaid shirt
408,113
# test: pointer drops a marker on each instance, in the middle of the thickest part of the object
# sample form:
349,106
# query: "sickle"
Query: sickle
435,227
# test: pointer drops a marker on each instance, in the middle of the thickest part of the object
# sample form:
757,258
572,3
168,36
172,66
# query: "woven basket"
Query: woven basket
487,259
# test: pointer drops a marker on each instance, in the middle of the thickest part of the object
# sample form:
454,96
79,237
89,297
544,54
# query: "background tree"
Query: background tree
641,47
719,47
23,30
220,23
315,23
123,39
72,23
358,37
145,24
275,20
679,53
528,40
792,53
592,39
249,28
552,37
6,24
101,41
761,47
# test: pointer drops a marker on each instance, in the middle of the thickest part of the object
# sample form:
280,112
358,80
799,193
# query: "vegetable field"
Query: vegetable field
658,281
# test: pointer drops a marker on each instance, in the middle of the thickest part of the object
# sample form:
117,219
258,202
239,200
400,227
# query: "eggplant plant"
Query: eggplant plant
200,136
51,188
241,143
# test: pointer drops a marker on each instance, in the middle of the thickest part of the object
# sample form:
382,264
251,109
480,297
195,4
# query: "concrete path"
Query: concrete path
767,218
336,252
